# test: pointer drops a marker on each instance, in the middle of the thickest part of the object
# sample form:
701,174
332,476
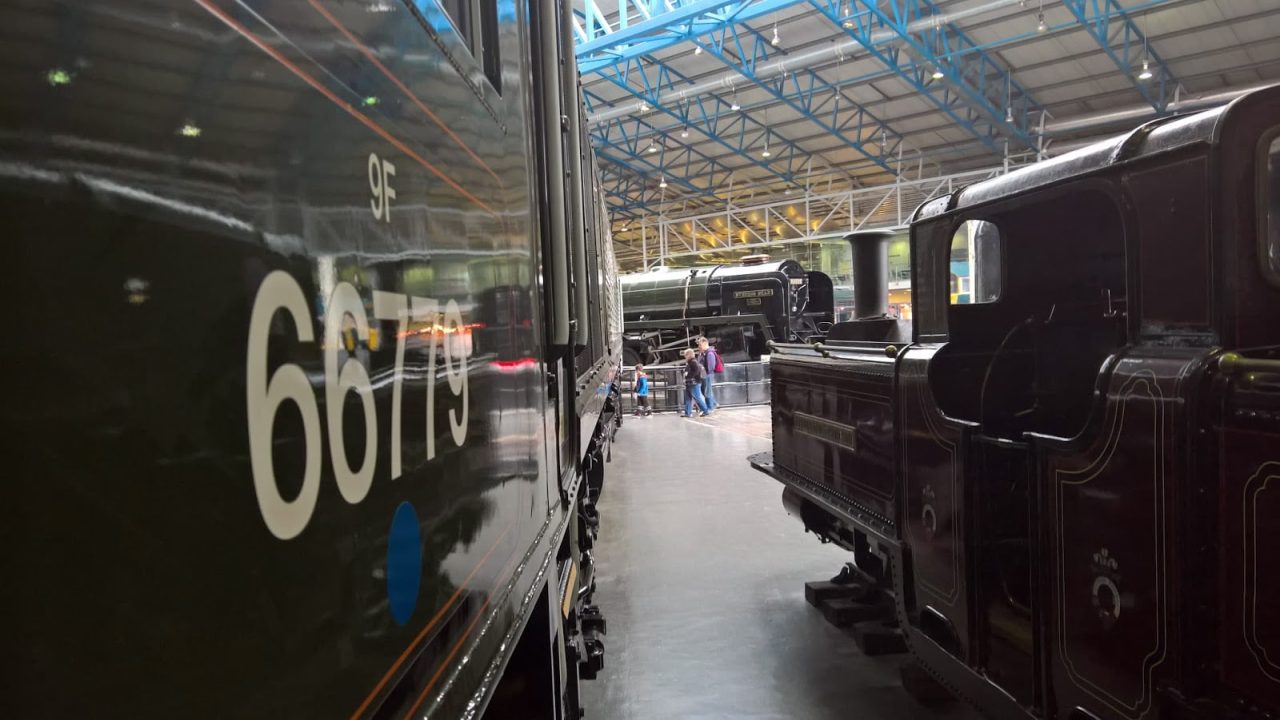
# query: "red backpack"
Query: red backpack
719,368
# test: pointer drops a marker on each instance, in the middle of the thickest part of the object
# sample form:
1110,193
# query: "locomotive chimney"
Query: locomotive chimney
870,273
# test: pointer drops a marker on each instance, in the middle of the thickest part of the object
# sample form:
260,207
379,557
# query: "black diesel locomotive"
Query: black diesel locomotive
1065,491
742,308
314,373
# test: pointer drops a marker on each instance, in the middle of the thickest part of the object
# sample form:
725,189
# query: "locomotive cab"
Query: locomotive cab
1064,477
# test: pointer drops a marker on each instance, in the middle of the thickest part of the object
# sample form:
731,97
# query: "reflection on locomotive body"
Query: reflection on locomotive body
318,360
740,307
1066,472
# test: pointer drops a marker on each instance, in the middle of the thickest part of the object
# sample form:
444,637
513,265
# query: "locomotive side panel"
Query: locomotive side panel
833,426
1110,509
933,520
1245,412
279,383
1249,477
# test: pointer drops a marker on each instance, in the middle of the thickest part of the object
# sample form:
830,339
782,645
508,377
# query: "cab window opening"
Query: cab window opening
976,263
1029,323
1269,203
476,22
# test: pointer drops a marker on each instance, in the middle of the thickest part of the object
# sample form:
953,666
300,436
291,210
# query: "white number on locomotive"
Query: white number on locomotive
280,292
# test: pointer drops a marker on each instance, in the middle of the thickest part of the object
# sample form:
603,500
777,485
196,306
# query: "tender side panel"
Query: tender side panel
833,426
1110,509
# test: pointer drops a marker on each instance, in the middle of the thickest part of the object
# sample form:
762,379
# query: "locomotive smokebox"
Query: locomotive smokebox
870,273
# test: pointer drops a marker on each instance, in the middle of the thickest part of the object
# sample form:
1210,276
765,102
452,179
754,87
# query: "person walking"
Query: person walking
693,375
711,362
642,392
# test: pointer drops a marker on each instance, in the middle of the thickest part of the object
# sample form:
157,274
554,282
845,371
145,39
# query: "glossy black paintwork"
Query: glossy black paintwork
142,579
1082,498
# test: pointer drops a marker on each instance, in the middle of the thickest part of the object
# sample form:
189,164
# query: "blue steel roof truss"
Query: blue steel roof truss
976,92
804,91
1119,37
667,22
712,115
979,93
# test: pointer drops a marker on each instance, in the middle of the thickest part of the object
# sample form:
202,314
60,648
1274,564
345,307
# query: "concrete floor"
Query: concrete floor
701,577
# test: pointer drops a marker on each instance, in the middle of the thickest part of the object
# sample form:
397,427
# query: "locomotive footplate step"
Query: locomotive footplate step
818,592
877,637
845,611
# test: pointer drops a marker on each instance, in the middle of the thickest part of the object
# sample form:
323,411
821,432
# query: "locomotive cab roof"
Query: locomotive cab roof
1157,136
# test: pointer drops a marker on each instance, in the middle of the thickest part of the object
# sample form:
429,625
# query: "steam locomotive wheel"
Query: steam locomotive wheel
630,358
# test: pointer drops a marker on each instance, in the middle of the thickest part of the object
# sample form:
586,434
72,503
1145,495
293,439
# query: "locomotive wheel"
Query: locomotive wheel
630,358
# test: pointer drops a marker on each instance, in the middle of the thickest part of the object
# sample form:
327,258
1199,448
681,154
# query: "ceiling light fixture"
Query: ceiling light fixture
1041,27
1146,61
653,147
190,130
697,49
776,41
848,17
644,106
735,106
663,182
937,73
685,132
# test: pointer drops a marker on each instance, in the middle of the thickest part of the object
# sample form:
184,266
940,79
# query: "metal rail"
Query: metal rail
742,383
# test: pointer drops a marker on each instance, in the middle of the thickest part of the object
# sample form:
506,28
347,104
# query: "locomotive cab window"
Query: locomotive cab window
476,22
1270,202
975,263
1037,304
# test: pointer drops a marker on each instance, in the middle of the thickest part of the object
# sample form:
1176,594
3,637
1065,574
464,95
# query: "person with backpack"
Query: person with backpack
642,392
693,375
714,365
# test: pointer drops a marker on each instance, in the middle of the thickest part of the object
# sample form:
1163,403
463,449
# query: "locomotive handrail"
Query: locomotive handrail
1233,363
782,348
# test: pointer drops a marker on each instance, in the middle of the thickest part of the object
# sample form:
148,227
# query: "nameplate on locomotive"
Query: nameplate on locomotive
740,294
836,433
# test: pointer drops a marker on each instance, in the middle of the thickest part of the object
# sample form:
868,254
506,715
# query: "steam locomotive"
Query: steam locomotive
314,374
741,308
1066,482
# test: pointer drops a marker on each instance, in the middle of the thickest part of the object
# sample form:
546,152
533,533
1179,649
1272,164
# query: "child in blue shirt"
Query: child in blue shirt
642,392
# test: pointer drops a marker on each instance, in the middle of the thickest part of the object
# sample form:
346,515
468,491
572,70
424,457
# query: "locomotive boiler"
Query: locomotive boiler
317,362
1065,480
741,308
